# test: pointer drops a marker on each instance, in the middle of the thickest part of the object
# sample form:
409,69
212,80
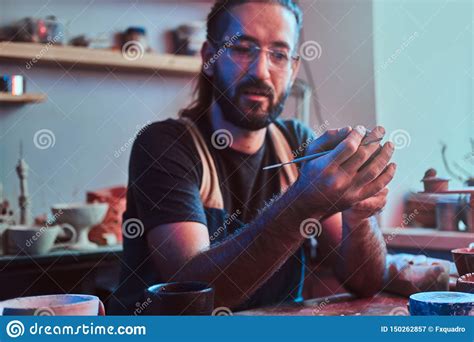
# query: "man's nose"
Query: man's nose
259,68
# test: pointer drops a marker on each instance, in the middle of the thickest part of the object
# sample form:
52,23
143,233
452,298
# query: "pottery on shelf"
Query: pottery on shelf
32,240
82,216
432,183
53,305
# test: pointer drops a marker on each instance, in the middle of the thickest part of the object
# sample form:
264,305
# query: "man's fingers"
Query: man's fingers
372,204
380,182
328,140
348,146
376,166
364,153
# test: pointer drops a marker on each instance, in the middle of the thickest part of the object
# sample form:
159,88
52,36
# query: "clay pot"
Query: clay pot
182,298
450,212
441,303
53,305
464,260
435,184
465,283
112,223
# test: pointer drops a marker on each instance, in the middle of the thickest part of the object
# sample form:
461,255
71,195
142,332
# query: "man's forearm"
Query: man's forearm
362,252
242,263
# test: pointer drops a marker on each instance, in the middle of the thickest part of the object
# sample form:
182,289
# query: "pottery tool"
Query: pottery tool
312,156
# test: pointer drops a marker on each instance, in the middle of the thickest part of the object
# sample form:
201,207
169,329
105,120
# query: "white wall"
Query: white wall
424,87
93,113
344,72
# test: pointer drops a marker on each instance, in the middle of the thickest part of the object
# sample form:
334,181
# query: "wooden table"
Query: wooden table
383,304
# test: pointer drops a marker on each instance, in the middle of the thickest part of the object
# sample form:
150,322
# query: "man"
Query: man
208,210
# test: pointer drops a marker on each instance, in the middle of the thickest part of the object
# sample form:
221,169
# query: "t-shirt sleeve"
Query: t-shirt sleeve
164,176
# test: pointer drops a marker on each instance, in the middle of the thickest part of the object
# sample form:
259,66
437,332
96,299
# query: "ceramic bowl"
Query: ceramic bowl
465,283
464,260
441,303
80,214
53,305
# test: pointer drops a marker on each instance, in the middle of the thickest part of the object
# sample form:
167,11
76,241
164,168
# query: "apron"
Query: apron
210,192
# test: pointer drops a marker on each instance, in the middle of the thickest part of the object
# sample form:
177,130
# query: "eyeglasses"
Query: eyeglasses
245,55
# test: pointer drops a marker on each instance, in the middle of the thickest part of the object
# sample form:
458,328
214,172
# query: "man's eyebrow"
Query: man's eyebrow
245,37
279,43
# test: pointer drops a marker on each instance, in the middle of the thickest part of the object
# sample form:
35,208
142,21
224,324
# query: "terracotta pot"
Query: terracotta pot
53,305
464,260
112,223
465,283
435,184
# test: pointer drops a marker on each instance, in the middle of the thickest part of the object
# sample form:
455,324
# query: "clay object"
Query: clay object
407,274
441,303
465,283
449,212
112,224
464,260
188,38
424,204
82,217
53,305
33,240
183,298
432,183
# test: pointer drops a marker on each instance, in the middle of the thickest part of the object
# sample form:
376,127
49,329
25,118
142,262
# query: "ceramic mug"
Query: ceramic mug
33,240
189,298
53,305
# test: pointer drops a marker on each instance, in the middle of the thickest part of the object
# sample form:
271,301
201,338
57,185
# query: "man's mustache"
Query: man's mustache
256,86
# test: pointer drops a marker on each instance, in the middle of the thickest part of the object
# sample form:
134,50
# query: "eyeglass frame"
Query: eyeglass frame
292,58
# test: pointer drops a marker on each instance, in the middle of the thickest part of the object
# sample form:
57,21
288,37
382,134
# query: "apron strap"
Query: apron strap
210,191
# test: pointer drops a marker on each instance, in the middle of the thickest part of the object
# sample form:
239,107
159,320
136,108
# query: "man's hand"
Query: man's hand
365,209
350,174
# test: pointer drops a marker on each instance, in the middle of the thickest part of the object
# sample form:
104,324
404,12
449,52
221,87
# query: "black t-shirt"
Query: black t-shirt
165,174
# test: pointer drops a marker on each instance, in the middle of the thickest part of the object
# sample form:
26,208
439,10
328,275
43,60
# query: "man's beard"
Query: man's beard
253,119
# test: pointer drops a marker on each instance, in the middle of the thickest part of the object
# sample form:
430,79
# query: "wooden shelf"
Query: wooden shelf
97,58
426,238
22,99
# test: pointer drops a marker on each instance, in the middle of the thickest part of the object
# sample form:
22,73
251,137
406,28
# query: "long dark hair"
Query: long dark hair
204,88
